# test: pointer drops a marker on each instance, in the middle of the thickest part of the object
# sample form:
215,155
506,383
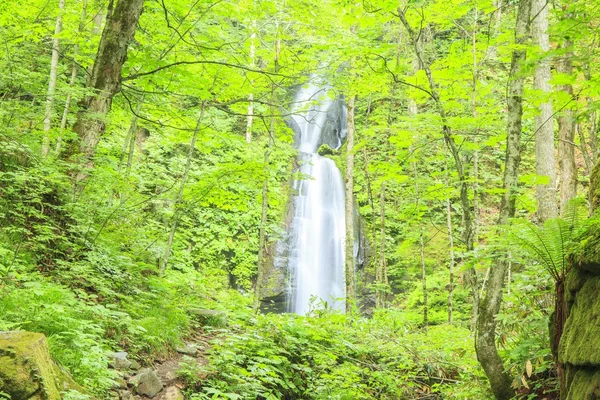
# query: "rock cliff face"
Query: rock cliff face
579,349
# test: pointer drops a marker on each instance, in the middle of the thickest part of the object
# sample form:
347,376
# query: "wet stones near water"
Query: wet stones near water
146,383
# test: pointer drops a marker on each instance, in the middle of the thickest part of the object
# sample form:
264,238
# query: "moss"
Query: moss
586,254
26,369
326,150
579,343
585,385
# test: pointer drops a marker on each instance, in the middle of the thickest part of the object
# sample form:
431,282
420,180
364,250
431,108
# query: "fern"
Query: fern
550,243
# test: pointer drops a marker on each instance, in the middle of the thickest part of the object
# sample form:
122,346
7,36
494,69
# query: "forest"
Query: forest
271,199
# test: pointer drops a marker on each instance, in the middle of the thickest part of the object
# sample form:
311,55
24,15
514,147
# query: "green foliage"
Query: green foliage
334,357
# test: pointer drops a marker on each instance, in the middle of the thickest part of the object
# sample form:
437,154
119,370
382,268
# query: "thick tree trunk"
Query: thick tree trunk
350,289
485,344
106,75
49,111
544,123
566,135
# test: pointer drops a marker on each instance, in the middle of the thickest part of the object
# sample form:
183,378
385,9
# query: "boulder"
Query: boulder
118,360
146,383
26,370
578,350
189,349
172,393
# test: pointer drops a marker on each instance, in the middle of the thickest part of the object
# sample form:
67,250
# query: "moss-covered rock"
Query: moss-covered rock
585,385
586,255
26,370
579,343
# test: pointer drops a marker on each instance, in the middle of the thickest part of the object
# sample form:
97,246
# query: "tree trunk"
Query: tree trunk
485,341
467,232
566,135
74,68
451,246
177,212
106,75
382,260
421,248
544,123
250,116
350,289
262,235
49,111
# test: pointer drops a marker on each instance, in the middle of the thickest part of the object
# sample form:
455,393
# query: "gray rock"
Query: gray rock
118,360
190,349
125,395
146,382
134,365
172,393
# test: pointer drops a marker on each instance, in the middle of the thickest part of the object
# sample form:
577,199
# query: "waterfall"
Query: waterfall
317,230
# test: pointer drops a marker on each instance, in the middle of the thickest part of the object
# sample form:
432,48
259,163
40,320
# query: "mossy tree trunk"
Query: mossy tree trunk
105,80
485,340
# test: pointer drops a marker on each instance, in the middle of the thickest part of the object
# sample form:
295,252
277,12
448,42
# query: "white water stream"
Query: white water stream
317,231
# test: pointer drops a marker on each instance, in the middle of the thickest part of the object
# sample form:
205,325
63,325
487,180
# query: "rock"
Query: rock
134,365
26,369
125,395
172,393
190,349
146,383
118,360
209,317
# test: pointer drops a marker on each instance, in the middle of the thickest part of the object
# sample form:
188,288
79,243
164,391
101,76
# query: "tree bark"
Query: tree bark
262,234
467,232
49,111
485,341
74,68
451,246
186,172
350,289
251,95
566,134
544,122
119,30
421,248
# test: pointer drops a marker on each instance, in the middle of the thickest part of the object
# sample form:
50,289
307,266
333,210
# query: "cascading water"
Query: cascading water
317,230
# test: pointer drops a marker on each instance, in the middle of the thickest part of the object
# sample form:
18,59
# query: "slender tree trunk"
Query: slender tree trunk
49,111
74,68
566,135
177,212
544,123
467,232
485,341
451,246
421,247
250,116
382,260
262,234
350,289
106,76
